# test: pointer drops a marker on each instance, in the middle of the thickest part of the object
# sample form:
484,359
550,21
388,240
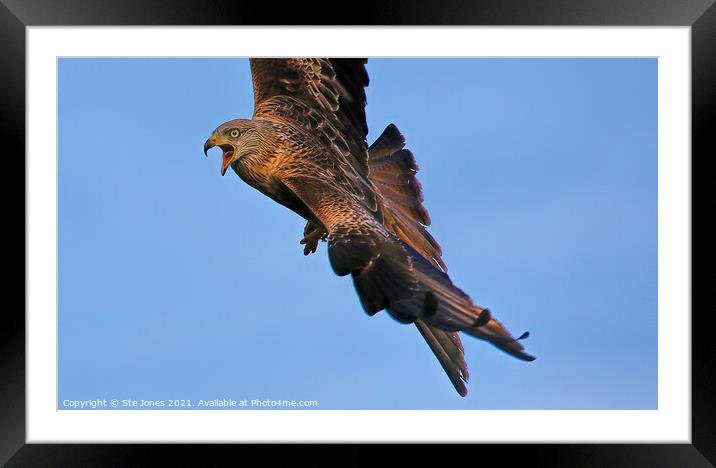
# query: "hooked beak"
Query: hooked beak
210,143
227,148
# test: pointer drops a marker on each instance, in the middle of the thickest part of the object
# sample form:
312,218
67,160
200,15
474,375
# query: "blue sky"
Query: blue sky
540,176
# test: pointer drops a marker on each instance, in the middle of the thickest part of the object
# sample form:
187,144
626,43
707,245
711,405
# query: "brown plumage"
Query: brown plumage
306,148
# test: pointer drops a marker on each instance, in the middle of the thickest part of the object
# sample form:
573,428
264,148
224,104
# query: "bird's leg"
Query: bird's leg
312,233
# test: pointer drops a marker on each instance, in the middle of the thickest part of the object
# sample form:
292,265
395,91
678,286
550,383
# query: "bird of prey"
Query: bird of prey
305,147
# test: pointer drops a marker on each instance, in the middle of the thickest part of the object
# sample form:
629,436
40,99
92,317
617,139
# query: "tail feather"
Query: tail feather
448,349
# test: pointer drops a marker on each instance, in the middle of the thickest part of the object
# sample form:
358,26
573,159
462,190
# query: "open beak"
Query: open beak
227,148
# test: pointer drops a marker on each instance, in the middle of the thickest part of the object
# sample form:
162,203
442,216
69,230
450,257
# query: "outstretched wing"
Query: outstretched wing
325,96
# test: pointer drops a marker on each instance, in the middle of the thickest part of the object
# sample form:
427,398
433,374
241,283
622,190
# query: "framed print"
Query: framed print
166,304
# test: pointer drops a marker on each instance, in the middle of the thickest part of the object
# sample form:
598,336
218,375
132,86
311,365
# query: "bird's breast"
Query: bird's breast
273,188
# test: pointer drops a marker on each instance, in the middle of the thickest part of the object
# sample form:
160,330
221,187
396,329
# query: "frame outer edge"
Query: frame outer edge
12,330
703,114
12,339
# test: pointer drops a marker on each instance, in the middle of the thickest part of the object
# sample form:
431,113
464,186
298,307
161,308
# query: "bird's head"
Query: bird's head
235,138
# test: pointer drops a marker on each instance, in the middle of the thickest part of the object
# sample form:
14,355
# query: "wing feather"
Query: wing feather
392,170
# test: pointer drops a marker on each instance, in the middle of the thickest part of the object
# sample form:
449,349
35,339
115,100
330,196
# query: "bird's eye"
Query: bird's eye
234,133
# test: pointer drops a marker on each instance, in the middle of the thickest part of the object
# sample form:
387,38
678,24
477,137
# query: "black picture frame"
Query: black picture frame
16,15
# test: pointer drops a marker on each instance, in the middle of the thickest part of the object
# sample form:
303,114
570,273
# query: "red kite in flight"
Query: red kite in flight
306,148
